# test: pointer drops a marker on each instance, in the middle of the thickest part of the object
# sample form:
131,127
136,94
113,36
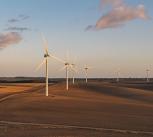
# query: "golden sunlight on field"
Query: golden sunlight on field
6,89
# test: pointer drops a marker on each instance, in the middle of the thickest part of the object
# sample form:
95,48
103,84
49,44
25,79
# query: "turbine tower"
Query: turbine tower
73,67
45,61
67,75
118,76
73,79
147,71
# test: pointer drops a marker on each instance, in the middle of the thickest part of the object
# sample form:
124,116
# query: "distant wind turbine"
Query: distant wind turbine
118,76
73,67
45,61
86,68
74,71
67,67
147,71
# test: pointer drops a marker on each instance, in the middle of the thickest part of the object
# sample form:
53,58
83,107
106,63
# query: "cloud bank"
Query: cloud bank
19,18
13,20
119,15
23,17
21,29
9,39
14,27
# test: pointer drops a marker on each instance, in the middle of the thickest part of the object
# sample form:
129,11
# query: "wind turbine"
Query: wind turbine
147,71
73,67
45,61
86,72
66,67
118,76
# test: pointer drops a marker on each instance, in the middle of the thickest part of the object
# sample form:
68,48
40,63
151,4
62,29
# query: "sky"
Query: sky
105,35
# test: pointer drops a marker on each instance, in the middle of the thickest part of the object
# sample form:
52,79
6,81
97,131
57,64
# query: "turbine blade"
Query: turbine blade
62,68
45,43
74,60
72,68
85,66
40,65
58,59
67,56
91,67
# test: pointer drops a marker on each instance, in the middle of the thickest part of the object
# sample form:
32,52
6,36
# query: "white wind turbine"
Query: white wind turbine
73,79
86,68
118,75
45,61
67,67
73,67
147,71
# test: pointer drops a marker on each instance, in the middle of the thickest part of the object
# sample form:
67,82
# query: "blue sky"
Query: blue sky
128,48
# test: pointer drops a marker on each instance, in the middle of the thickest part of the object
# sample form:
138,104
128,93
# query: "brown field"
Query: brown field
98,109
7,89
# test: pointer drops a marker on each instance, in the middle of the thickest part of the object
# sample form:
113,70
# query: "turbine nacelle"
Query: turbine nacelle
73,65
147,70
46,55
67,64
86,68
